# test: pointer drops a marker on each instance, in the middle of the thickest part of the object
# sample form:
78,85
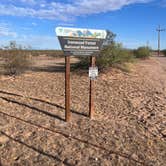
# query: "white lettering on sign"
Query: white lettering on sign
81,47
71,47
75,42
90,43
93,72
89,47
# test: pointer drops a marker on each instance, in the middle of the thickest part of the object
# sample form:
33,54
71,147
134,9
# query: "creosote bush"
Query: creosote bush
16,63
114,54
142,52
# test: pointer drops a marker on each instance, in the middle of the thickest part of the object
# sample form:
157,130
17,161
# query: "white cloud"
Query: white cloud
5,31
34,24
28,1
62,11
66,24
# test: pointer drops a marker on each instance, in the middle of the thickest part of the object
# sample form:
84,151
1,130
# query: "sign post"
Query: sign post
80,42
92,90
67,89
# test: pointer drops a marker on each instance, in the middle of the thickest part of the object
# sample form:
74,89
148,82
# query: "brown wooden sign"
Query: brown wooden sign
80,46
76,41
80,42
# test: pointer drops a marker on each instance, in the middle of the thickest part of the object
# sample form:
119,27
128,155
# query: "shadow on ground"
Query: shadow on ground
58,67
35,149
51,69
108,151
37,109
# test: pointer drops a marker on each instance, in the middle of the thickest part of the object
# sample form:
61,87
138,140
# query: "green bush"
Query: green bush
114,54
164,52
142,52
109,56
16,63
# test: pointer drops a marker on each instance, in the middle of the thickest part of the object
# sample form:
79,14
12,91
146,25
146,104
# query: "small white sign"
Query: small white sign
93,72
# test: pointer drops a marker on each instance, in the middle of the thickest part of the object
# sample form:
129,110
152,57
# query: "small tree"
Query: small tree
110,56
84,61
109,39
16,60
13,45
114,54
142,52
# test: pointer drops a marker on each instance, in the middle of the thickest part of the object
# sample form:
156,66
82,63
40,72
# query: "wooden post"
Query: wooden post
91,94
67,89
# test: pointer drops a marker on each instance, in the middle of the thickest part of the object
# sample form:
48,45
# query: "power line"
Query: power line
159,29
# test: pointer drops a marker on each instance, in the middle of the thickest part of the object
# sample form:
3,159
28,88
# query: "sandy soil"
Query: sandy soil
129,126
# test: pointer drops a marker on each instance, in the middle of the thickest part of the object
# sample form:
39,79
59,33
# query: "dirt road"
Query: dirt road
129,127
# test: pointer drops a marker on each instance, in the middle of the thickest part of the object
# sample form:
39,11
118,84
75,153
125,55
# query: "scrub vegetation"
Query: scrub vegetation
17,59
142,52
115,55
16,63
164,52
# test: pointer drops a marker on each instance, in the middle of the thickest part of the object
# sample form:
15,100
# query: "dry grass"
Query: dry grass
16,63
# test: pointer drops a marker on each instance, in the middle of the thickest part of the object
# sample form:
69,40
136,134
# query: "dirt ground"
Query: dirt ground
129,126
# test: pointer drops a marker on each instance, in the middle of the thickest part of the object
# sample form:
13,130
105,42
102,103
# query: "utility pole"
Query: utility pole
159,31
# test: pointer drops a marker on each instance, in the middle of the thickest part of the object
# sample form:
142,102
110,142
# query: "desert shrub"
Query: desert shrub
109,56
142,52
16,62
114,54
83,63
164,52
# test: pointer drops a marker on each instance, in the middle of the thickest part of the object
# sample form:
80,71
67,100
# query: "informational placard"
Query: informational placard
93,73
75,41
80,42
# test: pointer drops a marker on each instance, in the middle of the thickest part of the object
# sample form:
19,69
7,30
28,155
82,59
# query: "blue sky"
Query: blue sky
33,22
